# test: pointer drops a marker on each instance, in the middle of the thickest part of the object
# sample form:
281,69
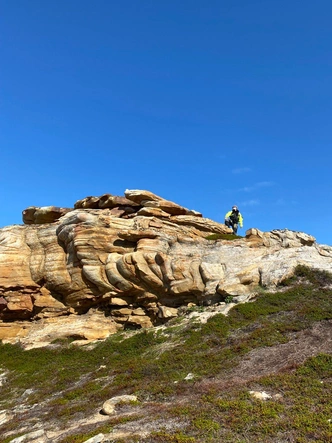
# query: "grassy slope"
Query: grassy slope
69,383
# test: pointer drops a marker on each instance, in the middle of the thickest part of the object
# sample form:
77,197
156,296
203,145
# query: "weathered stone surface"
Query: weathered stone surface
137,262
260,395
46,214
203,225
167,313
104,201
38,436
153,212
96,439
150,200
288,239
109,406
86,327
167,206
47,306
5,416
12,332
141,196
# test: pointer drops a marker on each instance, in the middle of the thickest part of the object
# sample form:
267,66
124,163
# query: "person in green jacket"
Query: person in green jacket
233,219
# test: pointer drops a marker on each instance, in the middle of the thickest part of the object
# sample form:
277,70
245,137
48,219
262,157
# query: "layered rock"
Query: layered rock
134,260
47,214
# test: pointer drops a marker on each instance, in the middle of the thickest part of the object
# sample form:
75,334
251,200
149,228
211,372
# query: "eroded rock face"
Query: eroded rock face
46,214
135,260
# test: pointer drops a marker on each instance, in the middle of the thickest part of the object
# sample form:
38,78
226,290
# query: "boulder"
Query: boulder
45,214
135,270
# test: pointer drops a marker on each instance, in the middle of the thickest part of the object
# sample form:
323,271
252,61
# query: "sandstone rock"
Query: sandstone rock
141,196
2,378
47,306
138,270
204,226
5,416
139,321
125,312
87,203
260,395
109,407
104,201
166,206
45,214
84,328
167,313
153,212
19,305
96,439
284,237
12,332
3,303
32,437
118,301
112,201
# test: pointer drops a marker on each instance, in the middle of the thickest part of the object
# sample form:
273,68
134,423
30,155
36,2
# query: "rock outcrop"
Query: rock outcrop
114,262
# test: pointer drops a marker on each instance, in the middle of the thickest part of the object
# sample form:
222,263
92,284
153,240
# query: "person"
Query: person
234,218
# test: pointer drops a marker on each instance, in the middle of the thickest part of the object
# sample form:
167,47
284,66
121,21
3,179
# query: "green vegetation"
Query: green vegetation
222,237
229,299
316,277
71,382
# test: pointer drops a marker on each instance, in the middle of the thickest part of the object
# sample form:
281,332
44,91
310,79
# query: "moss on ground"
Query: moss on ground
70,382
223,237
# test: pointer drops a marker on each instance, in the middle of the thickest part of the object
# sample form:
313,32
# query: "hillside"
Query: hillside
193,381
135,325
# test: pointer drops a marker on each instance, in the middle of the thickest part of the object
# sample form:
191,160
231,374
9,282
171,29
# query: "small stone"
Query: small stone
190,376
96,439
260,395
110,405
32,437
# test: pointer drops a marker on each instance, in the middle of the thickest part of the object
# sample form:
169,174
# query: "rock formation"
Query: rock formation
113,262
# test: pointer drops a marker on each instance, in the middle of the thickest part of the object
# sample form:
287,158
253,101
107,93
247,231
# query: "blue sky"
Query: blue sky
207,104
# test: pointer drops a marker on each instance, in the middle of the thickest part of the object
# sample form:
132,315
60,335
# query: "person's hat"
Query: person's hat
235,208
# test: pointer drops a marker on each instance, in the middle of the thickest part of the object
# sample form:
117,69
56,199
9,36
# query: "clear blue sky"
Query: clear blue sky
206,103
